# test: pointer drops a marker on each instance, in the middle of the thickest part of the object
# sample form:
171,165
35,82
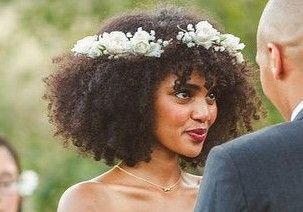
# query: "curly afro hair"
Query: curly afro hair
105,107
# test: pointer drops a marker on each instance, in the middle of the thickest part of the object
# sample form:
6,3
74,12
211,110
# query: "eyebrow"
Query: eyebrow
192,86
6,174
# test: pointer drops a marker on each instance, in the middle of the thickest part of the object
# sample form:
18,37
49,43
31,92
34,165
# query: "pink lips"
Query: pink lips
197,135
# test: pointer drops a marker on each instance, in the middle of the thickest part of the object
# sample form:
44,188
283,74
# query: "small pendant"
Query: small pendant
168,189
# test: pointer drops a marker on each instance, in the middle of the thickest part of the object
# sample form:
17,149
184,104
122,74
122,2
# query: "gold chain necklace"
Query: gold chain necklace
162,188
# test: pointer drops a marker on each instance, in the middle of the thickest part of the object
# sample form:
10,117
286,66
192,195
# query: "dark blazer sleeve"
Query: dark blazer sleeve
221,188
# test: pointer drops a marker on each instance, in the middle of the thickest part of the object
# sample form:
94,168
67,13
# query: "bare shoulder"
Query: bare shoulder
85,196
191,179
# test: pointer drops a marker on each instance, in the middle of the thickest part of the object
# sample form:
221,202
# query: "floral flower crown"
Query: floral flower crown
118,44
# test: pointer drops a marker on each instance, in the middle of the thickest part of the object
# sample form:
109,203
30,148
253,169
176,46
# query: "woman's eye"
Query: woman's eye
6,187
5,184
211,98
183,94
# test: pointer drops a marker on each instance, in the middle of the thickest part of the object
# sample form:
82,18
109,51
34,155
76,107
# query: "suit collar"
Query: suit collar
296,110
299,116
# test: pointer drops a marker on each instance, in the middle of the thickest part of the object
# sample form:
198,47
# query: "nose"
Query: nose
201,112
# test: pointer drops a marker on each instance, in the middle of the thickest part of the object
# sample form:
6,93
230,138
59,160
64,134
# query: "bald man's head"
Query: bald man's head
280,53
282,23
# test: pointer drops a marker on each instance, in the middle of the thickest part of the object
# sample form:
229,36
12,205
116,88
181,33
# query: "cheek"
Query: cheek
10,202
175,114
213,114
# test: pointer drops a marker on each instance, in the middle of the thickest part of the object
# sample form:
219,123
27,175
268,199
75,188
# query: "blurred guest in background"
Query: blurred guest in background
14,184
10,200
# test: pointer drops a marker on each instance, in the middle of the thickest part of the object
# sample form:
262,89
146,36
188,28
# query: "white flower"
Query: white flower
115,42
142,35
232,43
190,44
219,48
159,41
203,40
29,181
180,35
203,25
140,41
206,35
152,32
83,46
155,50
190,27
166,42
239,57
141,47
118,44
96,50
193,35
187,38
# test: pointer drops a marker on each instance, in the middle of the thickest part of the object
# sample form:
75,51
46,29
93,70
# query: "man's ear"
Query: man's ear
275,61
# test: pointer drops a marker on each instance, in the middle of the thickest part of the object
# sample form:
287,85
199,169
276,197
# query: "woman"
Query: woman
10,200
151,92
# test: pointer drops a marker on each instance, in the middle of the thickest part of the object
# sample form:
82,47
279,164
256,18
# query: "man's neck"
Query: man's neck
291,94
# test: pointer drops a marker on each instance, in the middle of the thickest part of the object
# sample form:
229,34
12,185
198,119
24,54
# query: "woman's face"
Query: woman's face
9,197
183,117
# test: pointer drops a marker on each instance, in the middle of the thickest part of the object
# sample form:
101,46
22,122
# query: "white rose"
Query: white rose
232,43
96,50
142,35
204,40
115,42
206,35
140,41
203,27
83,46
141,47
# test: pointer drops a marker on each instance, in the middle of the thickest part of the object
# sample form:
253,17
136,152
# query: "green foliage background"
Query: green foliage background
34,31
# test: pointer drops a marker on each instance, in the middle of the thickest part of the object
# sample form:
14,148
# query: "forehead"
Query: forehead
8,164
195,78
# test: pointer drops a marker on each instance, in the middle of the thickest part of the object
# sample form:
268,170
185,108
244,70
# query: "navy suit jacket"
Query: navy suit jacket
261,171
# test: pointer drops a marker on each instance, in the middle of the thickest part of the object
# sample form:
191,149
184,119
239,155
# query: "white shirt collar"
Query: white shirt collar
296,111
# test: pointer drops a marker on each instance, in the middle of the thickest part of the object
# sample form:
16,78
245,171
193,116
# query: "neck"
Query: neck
294,97
290,92
163,168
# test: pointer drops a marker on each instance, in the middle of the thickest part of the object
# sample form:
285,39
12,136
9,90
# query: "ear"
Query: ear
275,61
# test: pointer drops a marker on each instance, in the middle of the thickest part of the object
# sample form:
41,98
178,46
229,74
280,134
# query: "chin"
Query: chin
192,153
